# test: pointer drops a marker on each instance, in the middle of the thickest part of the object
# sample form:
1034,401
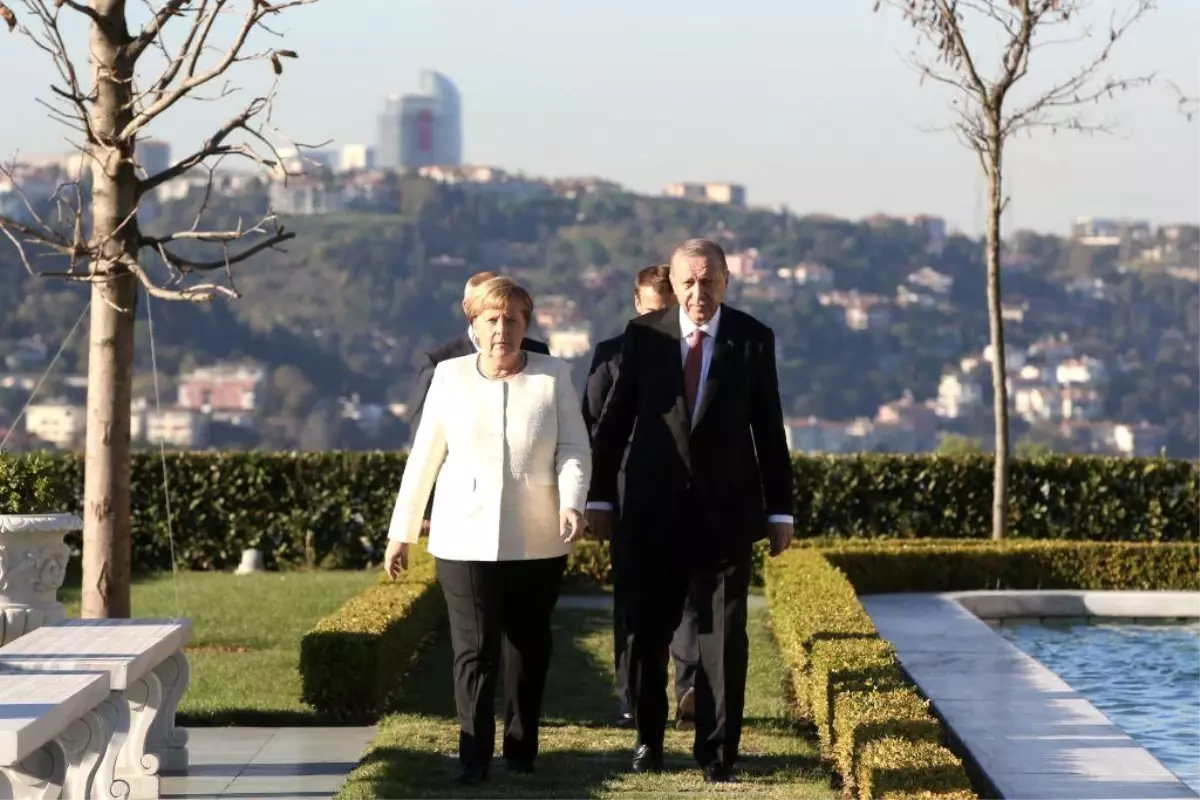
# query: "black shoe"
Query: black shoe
520,766
685,712
647,759
719,773
472,776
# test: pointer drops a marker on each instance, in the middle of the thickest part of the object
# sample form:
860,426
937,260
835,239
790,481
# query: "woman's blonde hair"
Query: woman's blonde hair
497,293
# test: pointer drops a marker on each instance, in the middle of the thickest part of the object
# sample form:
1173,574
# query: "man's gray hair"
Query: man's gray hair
702,248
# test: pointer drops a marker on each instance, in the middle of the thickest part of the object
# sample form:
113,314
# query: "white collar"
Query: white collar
686,325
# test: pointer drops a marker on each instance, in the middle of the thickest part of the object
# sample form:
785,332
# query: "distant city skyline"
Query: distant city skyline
817,112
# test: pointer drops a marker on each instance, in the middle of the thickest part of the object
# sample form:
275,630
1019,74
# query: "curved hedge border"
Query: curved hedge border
352,662
332,509
878,733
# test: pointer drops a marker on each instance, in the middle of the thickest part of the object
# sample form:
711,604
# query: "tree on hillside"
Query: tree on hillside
982,50
110,88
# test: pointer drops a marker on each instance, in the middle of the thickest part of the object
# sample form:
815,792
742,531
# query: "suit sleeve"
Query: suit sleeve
420,391
770,440
573,452
611,436
421,470
537,346
595,391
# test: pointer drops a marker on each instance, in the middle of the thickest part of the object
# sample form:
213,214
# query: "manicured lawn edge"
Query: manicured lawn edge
875,729
353,662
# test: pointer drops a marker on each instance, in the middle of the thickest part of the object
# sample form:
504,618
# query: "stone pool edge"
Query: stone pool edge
1025,731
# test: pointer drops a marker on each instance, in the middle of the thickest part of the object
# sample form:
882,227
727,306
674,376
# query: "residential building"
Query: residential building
357,158
180,428
810,275
958,396
724,193
304,197
58,422
1085,371
229,392
569,343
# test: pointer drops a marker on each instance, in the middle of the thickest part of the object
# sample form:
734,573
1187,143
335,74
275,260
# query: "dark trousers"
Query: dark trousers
665,579
685,644
500,608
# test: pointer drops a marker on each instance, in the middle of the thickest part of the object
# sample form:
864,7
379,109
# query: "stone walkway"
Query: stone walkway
274,763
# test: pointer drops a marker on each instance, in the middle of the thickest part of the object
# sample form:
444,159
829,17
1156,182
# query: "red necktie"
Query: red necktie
691,370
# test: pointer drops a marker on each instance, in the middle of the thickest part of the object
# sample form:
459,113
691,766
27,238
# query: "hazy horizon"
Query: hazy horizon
812,109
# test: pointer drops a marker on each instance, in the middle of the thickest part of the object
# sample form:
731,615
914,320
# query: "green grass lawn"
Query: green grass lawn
415,754
245,639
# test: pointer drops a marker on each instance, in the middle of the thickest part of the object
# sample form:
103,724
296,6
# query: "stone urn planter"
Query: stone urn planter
33,564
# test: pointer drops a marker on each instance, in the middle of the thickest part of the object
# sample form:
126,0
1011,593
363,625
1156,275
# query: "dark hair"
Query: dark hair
703,248
656,278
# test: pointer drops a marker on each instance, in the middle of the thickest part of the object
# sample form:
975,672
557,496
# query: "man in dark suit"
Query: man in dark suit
651,292
708,474
462,345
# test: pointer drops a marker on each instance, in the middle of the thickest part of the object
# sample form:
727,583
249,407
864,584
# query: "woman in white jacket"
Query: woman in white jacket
503,437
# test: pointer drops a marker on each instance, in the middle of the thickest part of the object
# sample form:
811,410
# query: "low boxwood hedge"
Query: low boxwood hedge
333,508
353,662
872,725
951,566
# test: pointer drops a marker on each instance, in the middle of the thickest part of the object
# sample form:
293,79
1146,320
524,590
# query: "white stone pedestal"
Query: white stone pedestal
33,564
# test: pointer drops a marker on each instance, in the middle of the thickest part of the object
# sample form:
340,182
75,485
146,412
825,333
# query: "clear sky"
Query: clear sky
806,102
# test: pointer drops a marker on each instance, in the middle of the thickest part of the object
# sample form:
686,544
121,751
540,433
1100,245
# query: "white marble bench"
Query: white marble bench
58,731
147,672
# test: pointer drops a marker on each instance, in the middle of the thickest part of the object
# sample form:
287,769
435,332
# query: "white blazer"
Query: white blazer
506,455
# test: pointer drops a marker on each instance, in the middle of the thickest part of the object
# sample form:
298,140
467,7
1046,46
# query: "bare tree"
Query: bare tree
183,49
994,102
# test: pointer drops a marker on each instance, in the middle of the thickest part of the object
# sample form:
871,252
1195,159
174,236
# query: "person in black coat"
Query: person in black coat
652,292
707,474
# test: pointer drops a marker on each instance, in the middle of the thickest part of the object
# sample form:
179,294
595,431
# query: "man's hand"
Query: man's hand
570,524
395,559
599,522
781,534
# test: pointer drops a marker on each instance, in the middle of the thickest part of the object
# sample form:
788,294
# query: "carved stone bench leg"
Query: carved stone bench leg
135,765
166,741
39,776
84,745
114,715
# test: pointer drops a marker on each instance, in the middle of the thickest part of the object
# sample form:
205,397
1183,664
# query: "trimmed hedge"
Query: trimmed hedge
951,566
872,725
353,662
332,509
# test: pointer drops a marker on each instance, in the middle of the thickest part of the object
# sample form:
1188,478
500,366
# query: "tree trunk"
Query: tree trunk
995,200
106,527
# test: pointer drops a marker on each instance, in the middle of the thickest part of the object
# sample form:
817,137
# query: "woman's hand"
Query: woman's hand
395,559
570,524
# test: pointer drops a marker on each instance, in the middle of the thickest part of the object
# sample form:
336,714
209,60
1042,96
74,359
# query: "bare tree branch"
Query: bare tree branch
62,234
984,121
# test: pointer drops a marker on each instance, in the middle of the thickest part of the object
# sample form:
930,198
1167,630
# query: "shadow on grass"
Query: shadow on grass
579,686
399,772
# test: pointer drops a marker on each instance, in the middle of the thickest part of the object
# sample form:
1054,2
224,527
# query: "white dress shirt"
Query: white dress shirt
506,456
710,328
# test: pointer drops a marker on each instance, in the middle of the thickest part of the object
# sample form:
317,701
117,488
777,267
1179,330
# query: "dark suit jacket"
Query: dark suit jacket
458,346
602,374
726,473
